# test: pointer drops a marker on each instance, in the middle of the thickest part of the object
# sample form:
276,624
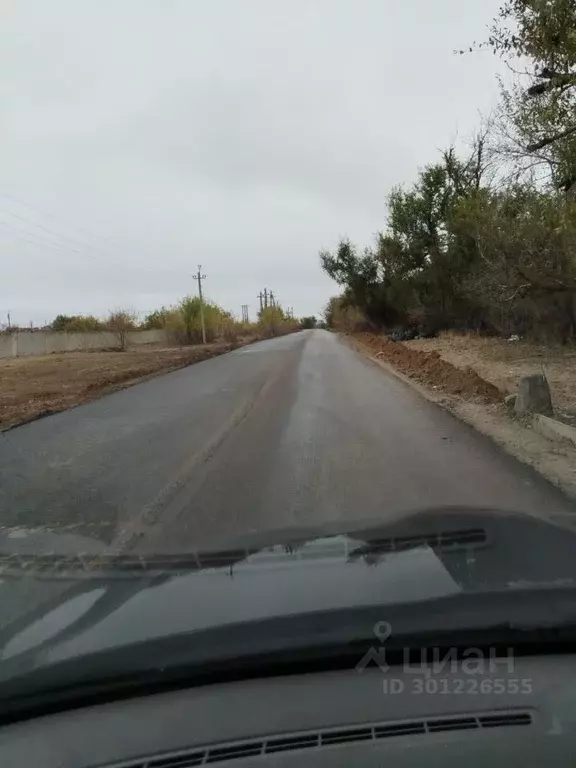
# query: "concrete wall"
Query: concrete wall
24,343
30,343
7,345
77,342
147,337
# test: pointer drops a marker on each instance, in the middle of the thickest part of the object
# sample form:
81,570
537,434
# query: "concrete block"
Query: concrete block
533,396
553,429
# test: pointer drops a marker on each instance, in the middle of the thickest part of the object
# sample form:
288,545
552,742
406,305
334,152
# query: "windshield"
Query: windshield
287,328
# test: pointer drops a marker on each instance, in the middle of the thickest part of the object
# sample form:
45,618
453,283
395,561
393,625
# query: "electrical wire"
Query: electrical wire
83,245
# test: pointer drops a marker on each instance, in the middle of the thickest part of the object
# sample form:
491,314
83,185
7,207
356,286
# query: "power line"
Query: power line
75,241
46,229
49,215
44,243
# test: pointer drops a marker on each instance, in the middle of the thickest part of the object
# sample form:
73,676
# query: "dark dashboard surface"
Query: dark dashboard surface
500,712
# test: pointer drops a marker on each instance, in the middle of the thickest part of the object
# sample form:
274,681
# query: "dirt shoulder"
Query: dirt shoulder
502,363
471,376
31,387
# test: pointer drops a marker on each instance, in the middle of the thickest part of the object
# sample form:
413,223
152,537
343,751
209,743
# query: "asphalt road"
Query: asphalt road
294,431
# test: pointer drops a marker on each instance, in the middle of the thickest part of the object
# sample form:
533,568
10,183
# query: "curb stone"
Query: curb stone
553,429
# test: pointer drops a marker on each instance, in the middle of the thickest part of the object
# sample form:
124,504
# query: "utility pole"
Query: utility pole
9,324
199,276
272,304
265,298
261,297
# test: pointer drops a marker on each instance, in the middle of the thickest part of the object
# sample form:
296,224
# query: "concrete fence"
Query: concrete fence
23,343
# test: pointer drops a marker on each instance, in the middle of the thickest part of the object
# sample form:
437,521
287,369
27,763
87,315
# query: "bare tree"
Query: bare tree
120,322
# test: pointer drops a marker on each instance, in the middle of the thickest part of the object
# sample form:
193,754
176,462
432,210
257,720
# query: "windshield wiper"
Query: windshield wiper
125,565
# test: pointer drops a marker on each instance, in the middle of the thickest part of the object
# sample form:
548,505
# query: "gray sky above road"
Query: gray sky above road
139,138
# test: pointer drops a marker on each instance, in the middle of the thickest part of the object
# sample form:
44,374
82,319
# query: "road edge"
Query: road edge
109,389
555,462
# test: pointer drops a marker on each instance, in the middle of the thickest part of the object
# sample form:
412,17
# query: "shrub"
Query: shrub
157,320
76,323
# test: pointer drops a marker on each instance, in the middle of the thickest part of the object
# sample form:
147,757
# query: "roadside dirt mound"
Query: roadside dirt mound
430,368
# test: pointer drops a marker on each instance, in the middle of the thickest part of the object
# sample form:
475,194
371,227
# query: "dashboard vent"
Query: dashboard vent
223,753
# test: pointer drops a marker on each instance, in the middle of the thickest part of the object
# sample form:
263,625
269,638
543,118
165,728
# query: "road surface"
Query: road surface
293,431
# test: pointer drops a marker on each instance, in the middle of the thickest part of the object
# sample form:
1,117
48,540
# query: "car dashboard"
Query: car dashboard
482,711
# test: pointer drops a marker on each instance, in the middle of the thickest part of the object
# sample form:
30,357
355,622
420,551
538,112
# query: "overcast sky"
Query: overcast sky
139,138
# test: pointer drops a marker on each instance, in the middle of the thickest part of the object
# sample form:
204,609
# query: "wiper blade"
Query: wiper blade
125,565
442,541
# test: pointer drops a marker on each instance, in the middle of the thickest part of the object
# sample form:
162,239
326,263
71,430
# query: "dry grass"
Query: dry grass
34,386
503,363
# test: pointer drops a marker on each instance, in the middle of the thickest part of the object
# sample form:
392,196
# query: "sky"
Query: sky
140,138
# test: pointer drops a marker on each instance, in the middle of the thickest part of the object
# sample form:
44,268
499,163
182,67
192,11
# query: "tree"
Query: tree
525,275
539,109
341,315
307,323
412,273
272,320
214,319
358,273
120,322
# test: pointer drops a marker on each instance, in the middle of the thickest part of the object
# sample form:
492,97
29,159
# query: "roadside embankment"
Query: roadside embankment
430,368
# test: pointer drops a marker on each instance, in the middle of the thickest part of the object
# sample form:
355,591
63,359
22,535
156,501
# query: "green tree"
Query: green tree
189,309
413,271
525,276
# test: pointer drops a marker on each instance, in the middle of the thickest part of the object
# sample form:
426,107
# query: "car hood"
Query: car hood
71,606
